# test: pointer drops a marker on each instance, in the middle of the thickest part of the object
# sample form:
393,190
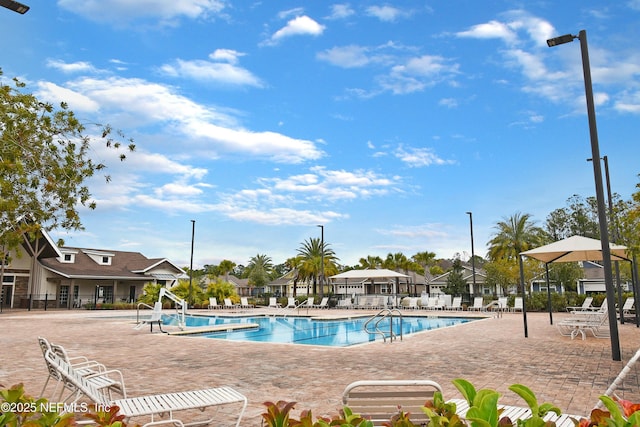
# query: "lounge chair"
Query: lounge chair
154,406
345,303
213,303
586,305
95,373
244,303
291,302
456,304
412,304
364,302
581,322
380,400
323,303
628,307
229,304
273,302
517,304
478,304
433,303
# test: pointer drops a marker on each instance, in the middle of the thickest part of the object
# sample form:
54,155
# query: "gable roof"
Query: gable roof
123,265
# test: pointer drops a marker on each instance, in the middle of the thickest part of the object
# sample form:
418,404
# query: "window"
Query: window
68,258
105,260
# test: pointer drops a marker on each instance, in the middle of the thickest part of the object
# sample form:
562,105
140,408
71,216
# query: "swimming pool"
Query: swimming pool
308,331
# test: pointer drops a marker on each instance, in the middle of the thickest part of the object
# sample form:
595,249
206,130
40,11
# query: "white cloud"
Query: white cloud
341,11
74,67
351,56
420,157
122,11
386,13
218,72
300,25
489,30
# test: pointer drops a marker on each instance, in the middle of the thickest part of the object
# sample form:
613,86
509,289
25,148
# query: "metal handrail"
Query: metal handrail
138,310
383,314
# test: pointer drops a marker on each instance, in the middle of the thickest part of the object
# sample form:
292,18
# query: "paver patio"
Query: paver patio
490,353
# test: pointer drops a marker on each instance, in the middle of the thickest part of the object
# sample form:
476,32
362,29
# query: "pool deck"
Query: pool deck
491,353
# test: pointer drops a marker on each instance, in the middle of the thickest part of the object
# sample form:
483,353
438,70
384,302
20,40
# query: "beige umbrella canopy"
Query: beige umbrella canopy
575,248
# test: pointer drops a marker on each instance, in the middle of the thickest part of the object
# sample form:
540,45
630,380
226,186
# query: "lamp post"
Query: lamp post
193,232
15,6
321,260
597,172
473,255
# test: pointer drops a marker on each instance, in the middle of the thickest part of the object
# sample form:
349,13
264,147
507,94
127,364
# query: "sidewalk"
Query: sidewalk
491,353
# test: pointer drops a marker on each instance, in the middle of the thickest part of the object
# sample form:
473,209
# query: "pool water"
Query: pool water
303,330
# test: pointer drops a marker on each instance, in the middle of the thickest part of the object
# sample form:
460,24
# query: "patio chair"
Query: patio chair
153,406
229,304
432,304
627,307
364,302
345,303
273,302
213,303
380,400
586,305
244,303
156,317
412,304
517,304
597,323
323,303
456,304
478,304
291,302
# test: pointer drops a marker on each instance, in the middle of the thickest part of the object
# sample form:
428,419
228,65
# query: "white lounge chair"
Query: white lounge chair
229,304
412,303
380,400
586,305
244,303
432,304
273,302
364,302
291,302
154,406
478,304
580,323
323,303
213,303
628,307
456,304
517,304
345,303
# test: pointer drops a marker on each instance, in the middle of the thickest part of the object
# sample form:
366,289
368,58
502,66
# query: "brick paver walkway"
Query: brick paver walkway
490,353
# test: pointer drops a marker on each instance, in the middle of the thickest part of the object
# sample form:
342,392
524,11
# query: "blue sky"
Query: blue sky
385,122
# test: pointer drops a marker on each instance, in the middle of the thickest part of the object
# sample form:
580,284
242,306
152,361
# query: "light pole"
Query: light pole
473,255
597,172
193,233
15,6
321,260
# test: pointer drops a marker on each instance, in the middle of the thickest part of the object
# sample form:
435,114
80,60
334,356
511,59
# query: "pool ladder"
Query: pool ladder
379,317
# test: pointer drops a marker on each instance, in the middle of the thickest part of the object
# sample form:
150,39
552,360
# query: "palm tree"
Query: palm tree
259,267
425,259
514,235
312,254
225,268
397,262
371,261
294,264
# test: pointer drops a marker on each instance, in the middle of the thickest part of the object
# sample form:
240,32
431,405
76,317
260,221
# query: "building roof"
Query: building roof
121,265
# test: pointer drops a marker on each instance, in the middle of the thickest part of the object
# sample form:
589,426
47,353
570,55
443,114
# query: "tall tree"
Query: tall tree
44,164
513,235
259,268
425,259
371,261
225,267
312,253
294,264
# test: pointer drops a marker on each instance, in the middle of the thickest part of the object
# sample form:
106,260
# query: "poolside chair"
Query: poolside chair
413,304
517,304
291,302
456,304
345,303
213,303
627,307
586,305
323,303
153,406
273,302
380,400
432,304
581,322
364,302
478,304
229,304
244,303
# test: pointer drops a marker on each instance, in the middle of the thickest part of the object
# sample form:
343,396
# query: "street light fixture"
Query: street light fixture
193,232
15,6
597,172
321,260
473,255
